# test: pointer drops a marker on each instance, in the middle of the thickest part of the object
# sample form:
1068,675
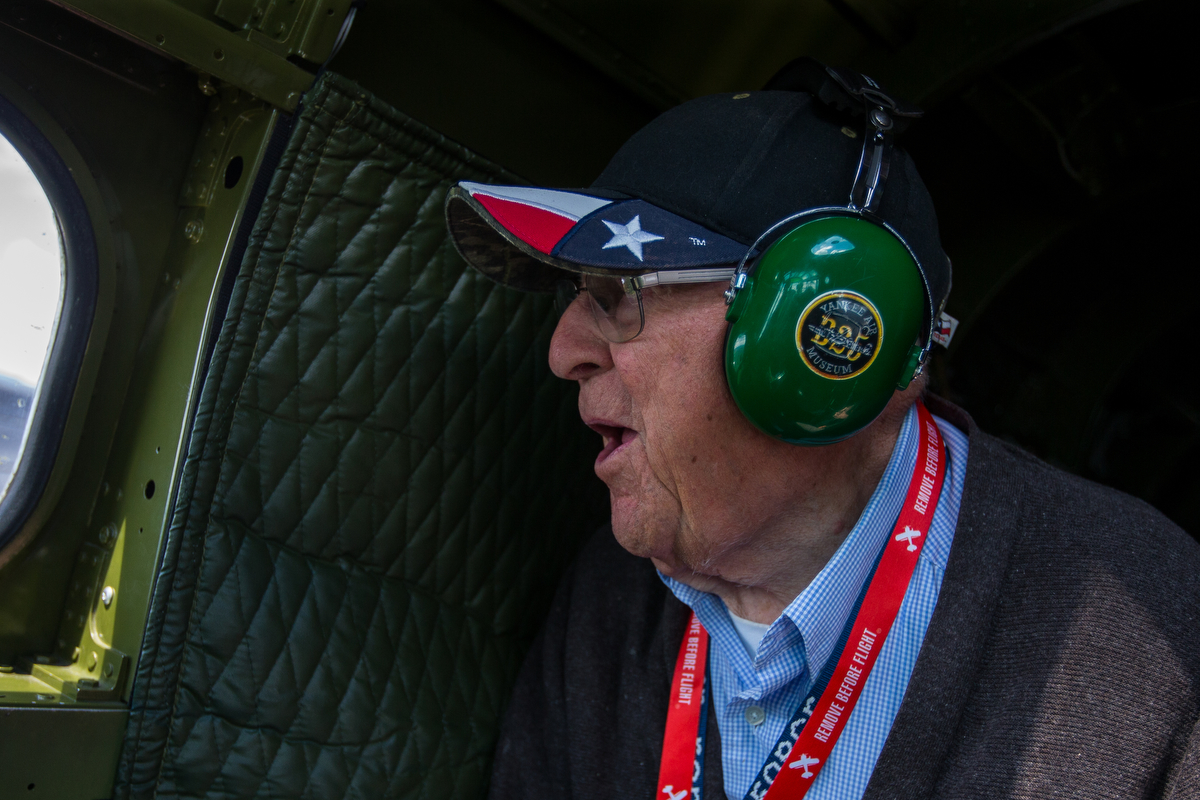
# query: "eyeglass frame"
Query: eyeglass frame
646,280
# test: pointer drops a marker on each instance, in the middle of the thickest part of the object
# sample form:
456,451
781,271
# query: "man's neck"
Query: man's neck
759,575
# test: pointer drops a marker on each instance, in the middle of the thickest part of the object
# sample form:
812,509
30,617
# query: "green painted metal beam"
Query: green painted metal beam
237,58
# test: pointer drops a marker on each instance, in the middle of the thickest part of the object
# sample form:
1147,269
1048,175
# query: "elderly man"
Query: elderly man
813,586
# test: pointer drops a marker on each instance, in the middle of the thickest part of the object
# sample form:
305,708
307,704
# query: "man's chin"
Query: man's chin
638,532
633,538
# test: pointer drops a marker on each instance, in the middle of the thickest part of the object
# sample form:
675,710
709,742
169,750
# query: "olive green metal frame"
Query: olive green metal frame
105,614
72,697
106,286
253,59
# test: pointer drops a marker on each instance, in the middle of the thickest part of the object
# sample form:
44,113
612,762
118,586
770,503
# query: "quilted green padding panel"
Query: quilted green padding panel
383,484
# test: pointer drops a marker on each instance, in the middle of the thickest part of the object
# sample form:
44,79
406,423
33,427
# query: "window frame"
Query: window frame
80,296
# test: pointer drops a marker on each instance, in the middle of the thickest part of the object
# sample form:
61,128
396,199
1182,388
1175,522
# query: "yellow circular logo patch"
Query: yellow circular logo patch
839,334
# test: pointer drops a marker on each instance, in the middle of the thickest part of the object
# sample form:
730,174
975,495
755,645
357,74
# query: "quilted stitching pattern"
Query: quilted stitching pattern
383,484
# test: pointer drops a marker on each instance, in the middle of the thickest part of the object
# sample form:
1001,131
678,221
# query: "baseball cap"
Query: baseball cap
694,189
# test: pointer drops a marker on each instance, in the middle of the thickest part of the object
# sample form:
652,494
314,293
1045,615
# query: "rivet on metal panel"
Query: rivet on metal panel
93,659
194,230
207,87
108,534
159,39
106,595
75,656
108,670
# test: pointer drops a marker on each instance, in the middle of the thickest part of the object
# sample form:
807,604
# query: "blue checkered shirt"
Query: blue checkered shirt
798,643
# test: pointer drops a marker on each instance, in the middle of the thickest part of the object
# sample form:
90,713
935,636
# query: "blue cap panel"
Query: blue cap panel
636,235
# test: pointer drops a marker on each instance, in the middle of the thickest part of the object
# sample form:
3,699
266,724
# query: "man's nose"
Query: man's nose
578,350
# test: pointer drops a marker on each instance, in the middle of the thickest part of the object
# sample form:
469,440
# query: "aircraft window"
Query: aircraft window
31,300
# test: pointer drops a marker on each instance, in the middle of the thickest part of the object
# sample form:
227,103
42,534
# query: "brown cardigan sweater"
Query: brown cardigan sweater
1062,660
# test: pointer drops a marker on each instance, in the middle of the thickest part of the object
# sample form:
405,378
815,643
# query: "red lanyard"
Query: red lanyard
683,717
811,749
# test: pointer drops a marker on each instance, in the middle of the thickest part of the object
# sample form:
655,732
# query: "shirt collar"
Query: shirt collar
820,611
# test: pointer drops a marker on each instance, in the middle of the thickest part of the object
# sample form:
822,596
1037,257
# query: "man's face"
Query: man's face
689,477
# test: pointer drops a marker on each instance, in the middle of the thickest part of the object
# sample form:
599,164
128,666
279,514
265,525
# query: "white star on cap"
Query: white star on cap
631,236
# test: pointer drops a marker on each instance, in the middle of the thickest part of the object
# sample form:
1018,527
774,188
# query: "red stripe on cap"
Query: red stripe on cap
537,227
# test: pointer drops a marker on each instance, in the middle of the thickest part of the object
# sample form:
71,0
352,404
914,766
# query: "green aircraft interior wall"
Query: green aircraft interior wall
137,142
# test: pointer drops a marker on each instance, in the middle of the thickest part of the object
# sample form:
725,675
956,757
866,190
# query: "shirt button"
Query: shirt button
755,715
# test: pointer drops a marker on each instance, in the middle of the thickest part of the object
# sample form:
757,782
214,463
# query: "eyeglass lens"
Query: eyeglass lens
615,302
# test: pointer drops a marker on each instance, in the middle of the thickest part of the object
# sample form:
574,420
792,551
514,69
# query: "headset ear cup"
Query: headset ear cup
821,334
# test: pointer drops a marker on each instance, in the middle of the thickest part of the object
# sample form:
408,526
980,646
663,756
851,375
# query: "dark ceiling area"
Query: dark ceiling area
486,78
1053,144
1062,195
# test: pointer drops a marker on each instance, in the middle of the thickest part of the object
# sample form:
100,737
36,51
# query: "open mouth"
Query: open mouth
615,438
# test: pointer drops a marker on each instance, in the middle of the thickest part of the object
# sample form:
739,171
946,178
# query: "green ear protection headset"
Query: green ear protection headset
837,313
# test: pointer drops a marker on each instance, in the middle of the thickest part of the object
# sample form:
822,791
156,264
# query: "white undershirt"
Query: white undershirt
751,633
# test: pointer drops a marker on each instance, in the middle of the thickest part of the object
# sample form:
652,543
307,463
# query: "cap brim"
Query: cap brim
525,237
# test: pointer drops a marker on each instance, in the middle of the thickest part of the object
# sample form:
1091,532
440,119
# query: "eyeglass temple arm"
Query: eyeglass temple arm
707,275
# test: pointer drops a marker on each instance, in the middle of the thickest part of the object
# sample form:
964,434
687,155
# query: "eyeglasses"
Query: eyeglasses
616,301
